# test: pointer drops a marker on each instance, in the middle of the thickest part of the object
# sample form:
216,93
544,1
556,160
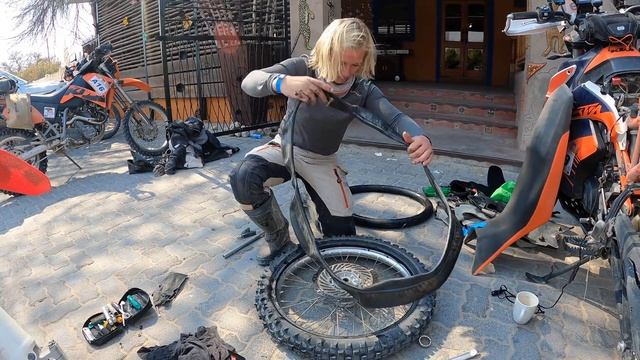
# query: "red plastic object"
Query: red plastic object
18,176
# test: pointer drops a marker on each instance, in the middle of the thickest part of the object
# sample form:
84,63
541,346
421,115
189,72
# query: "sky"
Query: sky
61,42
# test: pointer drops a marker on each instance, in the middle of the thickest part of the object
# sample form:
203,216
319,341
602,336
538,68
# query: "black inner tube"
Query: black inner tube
398,223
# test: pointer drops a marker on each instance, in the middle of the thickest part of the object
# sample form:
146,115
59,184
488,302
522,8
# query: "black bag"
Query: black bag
598,29
97,329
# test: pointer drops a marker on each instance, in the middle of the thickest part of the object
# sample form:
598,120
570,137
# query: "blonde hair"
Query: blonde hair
341,34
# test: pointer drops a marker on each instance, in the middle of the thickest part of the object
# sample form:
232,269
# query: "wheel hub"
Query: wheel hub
353,274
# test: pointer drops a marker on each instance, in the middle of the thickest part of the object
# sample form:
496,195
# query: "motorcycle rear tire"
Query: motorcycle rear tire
148,140
375,345
9,139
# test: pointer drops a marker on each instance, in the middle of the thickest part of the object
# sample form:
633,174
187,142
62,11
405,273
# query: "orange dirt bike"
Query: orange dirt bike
581,153
76,114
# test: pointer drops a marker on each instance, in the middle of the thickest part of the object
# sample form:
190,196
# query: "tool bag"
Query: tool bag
101,327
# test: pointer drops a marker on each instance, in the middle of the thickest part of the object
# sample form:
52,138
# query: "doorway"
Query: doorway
463,52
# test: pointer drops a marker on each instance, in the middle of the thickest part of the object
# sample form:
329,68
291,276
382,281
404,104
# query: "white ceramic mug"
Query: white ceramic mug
524,307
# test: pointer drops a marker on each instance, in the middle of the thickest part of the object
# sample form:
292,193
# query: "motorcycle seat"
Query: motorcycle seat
7,86
52,98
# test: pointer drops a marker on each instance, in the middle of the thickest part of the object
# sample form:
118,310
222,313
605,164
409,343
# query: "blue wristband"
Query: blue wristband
279,83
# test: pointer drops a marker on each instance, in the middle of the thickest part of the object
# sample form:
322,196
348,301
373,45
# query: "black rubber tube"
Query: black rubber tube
398,223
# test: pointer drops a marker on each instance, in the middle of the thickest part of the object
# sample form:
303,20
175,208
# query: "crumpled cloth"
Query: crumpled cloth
205,344
169,288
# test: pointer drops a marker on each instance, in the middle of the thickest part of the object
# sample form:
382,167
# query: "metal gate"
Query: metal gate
209,46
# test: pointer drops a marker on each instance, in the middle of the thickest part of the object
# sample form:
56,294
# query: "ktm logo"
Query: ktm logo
591,109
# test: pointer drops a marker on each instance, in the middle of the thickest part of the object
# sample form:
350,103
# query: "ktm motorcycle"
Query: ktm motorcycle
77,114
582,154
115,115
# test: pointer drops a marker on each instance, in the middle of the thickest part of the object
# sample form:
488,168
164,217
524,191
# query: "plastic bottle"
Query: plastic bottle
256,135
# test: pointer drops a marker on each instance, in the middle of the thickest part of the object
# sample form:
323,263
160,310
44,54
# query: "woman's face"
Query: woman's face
351,62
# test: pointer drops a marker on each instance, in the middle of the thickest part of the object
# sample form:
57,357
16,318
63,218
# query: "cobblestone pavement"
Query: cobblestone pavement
67,253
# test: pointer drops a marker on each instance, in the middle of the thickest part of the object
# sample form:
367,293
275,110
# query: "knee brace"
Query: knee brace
248,178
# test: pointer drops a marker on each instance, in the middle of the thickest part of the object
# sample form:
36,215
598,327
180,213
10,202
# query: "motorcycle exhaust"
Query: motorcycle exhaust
85,119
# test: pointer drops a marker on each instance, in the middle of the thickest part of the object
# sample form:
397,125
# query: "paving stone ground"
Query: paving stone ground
102,231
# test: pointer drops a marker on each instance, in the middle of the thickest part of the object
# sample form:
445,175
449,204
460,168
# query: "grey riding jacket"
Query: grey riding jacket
320,128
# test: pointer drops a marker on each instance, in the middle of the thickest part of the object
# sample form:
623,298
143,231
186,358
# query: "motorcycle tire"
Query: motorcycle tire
113,123
398,223
373,342
18,141
142,138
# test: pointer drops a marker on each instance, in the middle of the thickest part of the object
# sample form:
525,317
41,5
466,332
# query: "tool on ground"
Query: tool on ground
242,245
465,356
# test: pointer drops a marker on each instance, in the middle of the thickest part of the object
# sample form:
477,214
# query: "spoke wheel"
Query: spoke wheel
305,310
147,138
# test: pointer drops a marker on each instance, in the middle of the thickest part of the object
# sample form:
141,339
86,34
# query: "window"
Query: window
394,20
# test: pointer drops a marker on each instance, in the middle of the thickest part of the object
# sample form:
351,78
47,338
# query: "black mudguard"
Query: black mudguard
536,191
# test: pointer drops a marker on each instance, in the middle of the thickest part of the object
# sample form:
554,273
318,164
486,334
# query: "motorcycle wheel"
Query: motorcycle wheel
143,138
113,123
17,142
304,310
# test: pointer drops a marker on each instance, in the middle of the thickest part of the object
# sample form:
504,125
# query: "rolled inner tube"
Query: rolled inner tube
397,223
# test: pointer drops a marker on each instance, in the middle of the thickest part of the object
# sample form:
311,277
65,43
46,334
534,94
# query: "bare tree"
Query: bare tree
17,61
41,16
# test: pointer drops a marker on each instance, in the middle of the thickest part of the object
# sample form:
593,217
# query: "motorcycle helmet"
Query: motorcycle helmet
193,126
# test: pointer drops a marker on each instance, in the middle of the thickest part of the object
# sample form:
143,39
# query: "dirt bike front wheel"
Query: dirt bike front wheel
113,123
18,142
145,128
303,309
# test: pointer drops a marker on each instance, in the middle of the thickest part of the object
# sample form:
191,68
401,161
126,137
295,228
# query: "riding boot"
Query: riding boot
276,230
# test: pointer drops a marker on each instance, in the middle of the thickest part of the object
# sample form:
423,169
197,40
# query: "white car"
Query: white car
26,87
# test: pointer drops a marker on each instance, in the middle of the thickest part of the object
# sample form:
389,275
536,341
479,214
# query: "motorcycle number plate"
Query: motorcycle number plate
99,85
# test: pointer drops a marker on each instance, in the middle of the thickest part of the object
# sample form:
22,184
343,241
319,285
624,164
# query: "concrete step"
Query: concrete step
478,110
501,131
430,107
449,141
450,93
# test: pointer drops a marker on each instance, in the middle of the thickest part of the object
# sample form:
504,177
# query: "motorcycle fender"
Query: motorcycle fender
560,78
536,191
18,176
131,82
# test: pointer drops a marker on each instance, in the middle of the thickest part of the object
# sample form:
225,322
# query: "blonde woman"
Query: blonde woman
342,62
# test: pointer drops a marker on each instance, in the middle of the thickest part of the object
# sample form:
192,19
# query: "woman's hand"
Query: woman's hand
420,149
305,89
633,174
